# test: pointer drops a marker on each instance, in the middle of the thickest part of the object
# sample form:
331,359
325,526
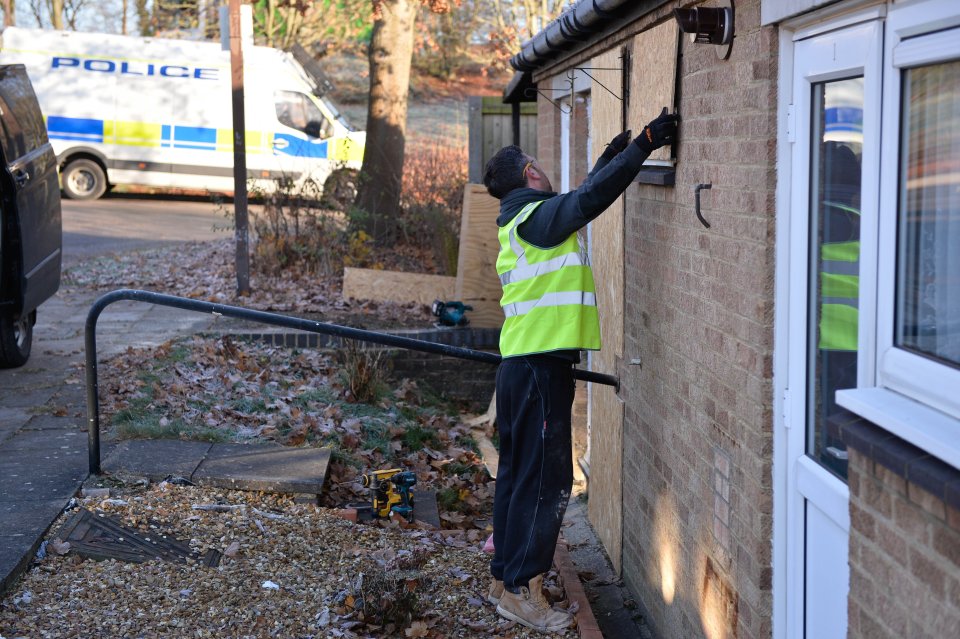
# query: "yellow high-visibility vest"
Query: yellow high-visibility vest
839,291
549,300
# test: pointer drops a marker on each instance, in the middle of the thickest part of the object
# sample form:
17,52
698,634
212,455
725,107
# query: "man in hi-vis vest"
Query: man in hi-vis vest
550,316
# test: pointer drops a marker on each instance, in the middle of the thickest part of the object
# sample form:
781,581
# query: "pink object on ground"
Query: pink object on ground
488,546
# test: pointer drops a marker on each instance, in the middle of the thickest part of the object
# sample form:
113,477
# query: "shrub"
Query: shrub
295,228
431,201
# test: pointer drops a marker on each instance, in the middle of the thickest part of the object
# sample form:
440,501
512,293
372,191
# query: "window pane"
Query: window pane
834,266
928,242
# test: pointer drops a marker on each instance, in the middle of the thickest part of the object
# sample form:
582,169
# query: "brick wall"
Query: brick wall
904,537
904,557
699,307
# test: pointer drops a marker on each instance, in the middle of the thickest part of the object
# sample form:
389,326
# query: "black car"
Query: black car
30,232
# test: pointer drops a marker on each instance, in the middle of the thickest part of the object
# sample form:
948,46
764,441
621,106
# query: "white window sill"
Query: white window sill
926,428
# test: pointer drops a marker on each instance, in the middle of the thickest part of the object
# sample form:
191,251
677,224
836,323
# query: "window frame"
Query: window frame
913,397
927,381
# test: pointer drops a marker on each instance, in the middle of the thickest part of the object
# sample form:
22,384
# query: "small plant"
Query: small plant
362,372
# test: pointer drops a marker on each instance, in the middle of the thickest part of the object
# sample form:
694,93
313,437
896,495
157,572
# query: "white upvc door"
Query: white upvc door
833,123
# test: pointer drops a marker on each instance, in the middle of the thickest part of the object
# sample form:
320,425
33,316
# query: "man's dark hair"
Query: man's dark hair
504,171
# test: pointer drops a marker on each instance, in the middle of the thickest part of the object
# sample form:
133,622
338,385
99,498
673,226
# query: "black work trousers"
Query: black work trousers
535,473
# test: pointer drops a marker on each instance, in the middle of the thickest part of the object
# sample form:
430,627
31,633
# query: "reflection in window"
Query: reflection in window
834,266
928,251
297,111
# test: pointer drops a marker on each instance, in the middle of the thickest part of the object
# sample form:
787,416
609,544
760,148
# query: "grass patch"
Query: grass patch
449,498
416,436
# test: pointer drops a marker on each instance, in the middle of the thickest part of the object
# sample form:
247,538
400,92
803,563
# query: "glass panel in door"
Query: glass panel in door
836,151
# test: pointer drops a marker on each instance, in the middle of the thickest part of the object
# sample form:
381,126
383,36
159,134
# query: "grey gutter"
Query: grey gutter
574,25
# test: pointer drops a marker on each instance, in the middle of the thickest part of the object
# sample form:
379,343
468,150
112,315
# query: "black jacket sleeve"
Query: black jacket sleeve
558,217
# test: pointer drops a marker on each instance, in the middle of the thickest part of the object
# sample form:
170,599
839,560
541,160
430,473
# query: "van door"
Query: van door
302,142
31,196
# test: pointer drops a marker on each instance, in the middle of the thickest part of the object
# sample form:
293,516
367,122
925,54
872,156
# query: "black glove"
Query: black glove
660,132
617,144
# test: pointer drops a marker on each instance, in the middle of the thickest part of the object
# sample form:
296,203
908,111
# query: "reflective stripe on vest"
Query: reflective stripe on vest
839,291
548,294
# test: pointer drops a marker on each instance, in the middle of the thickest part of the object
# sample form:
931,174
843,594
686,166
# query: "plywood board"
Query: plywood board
652,78
477,283
395,286
606,410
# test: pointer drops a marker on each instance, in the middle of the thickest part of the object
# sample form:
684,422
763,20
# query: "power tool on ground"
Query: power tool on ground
451,313
392,492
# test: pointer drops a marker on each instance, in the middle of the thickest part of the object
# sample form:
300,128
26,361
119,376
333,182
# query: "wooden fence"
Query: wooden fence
491,128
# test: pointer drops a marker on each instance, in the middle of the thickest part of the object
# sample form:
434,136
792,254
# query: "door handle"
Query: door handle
21,177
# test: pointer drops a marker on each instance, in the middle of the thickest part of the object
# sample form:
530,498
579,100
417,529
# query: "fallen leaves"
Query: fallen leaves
229,390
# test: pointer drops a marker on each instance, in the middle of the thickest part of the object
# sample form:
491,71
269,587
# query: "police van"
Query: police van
156,112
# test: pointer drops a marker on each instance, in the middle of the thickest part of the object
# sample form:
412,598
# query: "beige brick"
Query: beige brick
953,518
928,572
889,480
946,542
930,503
915,523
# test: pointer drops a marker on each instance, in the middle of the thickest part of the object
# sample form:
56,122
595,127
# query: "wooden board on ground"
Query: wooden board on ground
396,286
606,409
477,282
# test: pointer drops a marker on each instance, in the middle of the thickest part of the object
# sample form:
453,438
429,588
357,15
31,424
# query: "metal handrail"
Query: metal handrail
311,326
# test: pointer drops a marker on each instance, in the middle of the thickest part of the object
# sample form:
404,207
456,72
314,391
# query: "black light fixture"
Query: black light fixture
709,25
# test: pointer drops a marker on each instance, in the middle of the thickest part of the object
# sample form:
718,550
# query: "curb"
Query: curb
586,622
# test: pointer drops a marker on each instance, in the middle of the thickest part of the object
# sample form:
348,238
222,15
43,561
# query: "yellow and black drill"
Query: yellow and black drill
392,492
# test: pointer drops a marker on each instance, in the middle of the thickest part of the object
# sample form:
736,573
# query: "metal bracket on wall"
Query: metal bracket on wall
531,91
696,197
605,87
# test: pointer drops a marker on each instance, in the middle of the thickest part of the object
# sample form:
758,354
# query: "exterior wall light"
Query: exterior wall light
709,25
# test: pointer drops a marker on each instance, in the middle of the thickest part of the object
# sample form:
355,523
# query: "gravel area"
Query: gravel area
289,570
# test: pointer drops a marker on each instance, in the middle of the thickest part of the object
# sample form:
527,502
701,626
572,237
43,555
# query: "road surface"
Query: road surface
122,223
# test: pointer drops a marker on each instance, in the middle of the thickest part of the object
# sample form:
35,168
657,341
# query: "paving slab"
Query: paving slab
155,459
276,469
48,421
26,395
21,531
62,442
49,475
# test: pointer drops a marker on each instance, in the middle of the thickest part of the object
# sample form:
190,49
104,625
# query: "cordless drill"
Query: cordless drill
392,491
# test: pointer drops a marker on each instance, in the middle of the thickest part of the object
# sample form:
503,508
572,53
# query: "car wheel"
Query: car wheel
16,337
83,180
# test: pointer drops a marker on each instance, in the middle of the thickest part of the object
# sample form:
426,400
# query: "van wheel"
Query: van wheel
16,337
83,180
340,189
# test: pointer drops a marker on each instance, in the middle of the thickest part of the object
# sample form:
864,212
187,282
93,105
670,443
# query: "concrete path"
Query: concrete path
43,440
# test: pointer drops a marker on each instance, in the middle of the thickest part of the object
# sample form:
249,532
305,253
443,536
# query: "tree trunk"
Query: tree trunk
9,14
56,14
391,51
143,17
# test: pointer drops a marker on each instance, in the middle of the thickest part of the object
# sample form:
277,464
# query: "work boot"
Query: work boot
530,608
495,591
